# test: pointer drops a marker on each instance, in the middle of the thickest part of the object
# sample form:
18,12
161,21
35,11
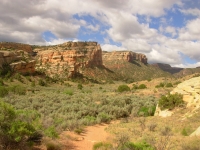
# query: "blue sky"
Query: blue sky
166,31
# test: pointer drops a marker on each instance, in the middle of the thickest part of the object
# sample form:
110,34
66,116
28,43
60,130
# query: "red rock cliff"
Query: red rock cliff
124,55
17,55
68,59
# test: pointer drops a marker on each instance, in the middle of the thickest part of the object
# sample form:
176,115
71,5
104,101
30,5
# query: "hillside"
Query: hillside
176,71
82,59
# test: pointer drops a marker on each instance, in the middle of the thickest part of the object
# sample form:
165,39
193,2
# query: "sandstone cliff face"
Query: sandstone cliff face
68,59
124,55
18,60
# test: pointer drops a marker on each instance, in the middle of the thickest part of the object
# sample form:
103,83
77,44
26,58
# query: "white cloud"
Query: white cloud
109,47
191,31
194,11
171,30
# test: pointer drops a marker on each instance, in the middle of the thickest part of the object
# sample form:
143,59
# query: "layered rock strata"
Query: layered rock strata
68,59
19,61
124,55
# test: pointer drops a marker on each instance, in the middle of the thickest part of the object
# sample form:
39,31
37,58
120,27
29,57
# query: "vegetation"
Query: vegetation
123,88
18,128
171,101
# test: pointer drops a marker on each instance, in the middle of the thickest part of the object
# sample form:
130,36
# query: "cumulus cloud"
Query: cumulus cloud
194,11
109,47
191,31
117,20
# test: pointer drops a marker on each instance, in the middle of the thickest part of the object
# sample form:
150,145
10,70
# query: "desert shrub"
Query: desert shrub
80,86
160,85
186,131
41,82
53,146
79,130
102,146
33,83
18,89
18,77
103,117
3,91
142,86
147,111
171,101
69,92
51,132
1,82
169,85
136,146
16,126
123,88
177,82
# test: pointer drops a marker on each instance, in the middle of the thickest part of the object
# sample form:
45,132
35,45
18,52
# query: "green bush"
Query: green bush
18,89
123,88
80,86
41,82
103,117
102,146
16,126
51,132
142,86
1,82
171,101
53,146
69,92
160,85
169,85
3,91
136,146
147,111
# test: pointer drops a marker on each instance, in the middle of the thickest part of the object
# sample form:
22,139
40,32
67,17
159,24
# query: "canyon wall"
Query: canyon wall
68,59
17,56
124,55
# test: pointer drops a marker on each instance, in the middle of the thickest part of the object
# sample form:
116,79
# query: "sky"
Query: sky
166,31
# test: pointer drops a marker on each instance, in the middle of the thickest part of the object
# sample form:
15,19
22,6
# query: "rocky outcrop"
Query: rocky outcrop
68,59
190,89
128,56
17,56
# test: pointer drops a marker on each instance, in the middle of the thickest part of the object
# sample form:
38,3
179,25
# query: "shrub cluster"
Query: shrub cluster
18,128
123,88
171,101
161,85
141,86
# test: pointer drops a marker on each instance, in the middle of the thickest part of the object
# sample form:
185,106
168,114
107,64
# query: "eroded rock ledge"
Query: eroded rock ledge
69,58
124,55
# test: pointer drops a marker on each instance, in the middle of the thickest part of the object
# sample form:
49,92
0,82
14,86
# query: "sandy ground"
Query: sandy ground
85,141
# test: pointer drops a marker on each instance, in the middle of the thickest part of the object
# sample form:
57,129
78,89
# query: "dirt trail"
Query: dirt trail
85,141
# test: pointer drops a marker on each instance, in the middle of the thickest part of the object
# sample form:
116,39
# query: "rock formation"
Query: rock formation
124,55
190,89
15,46
68,59
18,60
